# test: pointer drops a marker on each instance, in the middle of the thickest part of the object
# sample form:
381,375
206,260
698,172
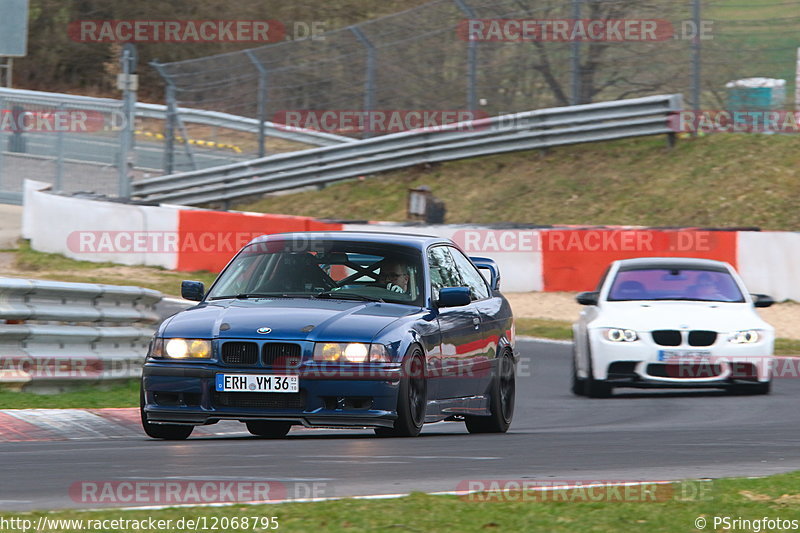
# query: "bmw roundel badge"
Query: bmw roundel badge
264,330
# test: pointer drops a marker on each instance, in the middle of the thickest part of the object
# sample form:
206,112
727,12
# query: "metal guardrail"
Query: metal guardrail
188,115
507,133
55,334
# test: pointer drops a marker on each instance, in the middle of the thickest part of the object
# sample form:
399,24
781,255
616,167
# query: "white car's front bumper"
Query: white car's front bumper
643,363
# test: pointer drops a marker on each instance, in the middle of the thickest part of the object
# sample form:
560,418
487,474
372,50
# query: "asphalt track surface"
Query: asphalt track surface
650,435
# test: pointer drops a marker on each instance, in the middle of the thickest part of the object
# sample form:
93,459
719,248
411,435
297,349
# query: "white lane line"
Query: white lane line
544,340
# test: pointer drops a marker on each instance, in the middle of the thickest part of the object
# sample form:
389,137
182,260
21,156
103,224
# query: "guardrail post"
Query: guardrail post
369,81
262,101
472,57
576,58
169,124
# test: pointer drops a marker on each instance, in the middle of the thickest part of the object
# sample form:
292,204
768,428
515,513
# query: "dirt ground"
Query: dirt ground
785,317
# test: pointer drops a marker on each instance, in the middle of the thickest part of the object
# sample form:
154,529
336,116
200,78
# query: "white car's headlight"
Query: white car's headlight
748,336
181,349
620,335
350,352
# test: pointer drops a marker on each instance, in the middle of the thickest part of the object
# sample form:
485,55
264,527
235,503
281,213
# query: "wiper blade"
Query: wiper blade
247,295
338,295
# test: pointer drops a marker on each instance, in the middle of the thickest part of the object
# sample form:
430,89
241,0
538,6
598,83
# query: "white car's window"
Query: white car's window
674,284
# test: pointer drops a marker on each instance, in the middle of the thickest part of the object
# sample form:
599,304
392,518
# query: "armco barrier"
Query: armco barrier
507,133
55,334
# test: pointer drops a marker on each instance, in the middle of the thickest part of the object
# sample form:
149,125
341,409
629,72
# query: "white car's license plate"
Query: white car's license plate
684,356
256,383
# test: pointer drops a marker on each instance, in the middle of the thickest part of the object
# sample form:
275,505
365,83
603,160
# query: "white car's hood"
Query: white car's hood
649,316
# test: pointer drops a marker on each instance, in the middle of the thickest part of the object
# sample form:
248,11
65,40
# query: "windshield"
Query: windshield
675,284
333,269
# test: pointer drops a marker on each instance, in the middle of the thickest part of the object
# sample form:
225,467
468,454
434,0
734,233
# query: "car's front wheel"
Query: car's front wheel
162,431
501,401
270,429
412,399
578,386
595,388
755,389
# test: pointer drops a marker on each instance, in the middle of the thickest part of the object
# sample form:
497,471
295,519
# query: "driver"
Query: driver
394,276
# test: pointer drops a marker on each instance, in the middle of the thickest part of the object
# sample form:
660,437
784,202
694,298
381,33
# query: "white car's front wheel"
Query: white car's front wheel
594,388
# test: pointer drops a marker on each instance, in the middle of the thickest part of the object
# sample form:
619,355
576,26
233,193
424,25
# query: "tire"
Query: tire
162,431
501,401
269,428
412,398
578,385
595,388
757,389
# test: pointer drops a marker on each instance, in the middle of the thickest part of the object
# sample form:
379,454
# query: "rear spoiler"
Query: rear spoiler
484,263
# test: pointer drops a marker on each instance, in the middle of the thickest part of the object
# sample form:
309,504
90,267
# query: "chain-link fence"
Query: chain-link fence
423,59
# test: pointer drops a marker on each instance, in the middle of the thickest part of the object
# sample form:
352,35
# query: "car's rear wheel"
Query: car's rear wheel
162,431
412,399
271,429
577,383
501,400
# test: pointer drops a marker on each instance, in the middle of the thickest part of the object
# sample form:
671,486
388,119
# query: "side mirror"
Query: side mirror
192,290
762,300
588,298
485,264
453,297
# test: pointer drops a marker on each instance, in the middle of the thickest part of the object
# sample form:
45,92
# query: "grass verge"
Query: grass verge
124,394
30,263
773,497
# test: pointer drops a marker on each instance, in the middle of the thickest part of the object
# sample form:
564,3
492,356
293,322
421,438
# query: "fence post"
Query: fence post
576,58
262,102
472,56
369,83
126,137
696,58
169,124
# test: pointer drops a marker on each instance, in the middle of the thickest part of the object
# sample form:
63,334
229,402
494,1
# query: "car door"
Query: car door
483,351
459,328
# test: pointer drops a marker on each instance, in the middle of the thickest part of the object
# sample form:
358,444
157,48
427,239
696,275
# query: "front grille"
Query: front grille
702,338
240,353
684,370
259,400
667,337
280,354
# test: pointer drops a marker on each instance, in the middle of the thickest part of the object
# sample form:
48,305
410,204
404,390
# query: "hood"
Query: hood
649,316
288,319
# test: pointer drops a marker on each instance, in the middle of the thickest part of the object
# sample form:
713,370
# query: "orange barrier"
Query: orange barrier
574,260
207,240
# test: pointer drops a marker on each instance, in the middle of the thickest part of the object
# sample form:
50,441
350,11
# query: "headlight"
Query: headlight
621,335
350,352
748,336
181,349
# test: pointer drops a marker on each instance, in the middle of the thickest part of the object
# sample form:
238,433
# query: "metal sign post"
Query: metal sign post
13,36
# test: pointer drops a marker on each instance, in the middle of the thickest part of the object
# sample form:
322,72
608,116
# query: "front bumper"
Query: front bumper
176,393
639,364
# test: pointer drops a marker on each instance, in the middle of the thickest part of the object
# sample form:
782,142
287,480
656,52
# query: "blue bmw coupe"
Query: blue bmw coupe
341,329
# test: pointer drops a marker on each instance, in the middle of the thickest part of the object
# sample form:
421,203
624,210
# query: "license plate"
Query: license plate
684,356
256,383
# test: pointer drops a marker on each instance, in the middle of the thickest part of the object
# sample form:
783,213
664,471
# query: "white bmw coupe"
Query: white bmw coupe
671,323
